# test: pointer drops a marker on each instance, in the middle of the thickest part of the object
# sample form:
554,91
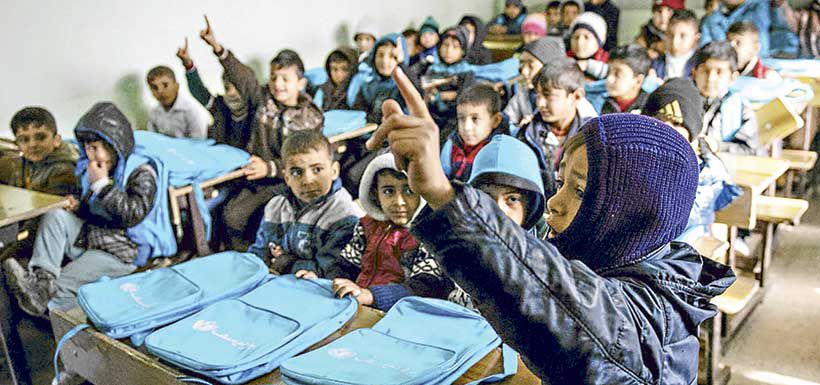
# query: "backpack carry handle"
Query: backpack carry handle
71,333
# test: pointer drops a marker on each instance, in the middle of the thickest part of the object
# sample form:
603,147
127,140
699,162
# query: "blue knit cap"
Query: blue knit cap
641,184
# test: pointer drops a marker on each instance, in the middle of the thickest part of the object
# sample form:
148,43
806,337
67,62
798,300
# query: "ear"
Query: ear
578,94
735,75
640,79
57,140
496,119
302,83
335,167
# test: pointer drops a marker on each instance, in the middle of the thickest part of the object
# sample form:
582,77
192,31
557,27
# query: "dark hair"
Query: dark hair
570,3
561,73
683,15
742,28
374,187
303,141
633,56
718,50
159,71
480,94
33,116
410,32
554,4
288,58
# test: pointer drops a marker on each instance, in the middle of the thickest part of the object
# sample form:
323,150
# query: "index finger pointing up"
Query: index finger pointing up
412,98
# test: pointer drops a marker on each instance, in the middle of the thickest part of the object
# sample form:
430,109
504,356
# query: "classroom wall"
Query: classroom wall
68,55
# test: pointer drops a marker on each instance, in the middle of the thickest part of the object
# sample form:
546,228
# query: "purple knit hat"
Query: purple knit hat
641,185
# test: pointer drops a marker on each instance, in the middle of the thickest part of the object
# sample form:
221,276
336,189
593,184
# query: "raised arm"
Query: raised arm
240,75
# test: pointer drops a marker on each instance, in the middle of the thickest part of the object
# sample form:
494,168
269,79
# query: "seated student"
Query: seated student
478,119
365,37
728,120
570,9
559,90
281,107
387,54
678,104
533,28
746,40
588,34
653,33
521,107
609,298
96,236
384,262
715,26
628,67
428,39
510,21
340,66
176,115
411,38
232,112
553,15
477,53
681,43
804,22
306,227
456,73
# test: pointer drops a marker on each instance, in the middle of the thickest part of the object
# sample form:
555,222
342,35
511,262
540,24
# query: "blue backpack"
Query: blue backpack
342,121
419,341
236,340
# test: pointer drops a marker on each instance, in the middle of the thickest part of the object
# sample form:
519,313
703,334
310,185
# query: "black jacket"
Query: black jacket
477,53
612,15
635,324
611,106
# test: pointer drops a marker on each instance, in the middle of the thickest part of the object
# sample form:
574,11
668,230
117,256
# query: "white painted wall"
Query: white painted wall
67,55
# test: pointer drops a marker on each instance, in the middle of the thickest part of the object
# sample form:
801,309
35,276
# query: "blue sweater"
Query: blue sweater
714,26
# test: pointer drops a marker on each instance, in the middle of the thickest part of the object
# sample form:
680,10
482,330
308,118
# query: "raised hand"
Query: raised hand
414,141
183,55
207,35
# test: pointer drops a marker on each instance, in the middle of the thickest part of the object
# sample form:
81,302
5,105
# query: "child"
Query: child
553,15
745,38
628,66
385,262
533,28
609,278
429,39
281,107
453,71
612,15
521,108
653,33
477,53
387,54
715,26
176,115
118,193
678,104
232,112
728,120
479,119
47,164
364,37
411,38
510,21
340,66
570,9
681,43
588,34
306,227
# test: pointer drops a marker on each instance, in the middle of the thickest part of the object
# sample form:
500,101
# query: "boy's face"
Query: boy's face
450,50
36,142
509,199
339,72
99,152
386,60
660,17
310,175
529,66
555,104
364,42
412,48
572,182
681,38
622,81
475,122
553,16
527,37
568,14
714,77
429,39
747,46
512,11
396,199
584,43
285,84
164,90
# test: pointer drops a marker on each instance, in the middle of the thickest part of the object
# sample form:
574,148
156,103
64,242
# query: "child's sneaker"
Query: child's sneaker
33,290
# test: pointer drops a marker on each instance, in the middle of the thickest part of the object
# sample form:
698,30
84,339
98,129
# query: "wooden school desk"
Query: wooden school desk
103,360
502,47
17,205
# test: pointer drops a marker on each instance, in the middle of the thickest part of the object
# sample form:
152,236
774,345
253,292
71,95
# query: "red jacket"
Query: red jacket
381,260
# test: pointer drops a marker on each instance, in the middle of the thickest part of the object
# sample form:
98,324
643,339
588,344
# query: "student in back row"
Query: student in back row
176,115
745,38
681,42
628,67
510,21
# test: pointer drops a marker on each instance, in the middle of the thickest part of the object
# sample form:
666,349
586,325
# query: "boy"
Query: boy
609,278
47,164
477,53
281,107
119,191
612,15
521,107
428,38
653,33
411,37
728,120
452,73
533,28
340,66
570,9
745,38
678,104
588,34
364,37
387,54
510,21
479,119
628,66
176,115
306,227
715,26
553,15
681,43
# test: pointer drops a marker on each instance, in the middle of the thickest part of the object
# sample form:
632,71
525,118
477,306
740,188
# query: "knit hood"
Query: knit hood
367,196
641,185
429,24
460,33
592,22
480,30
508,161
106,121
